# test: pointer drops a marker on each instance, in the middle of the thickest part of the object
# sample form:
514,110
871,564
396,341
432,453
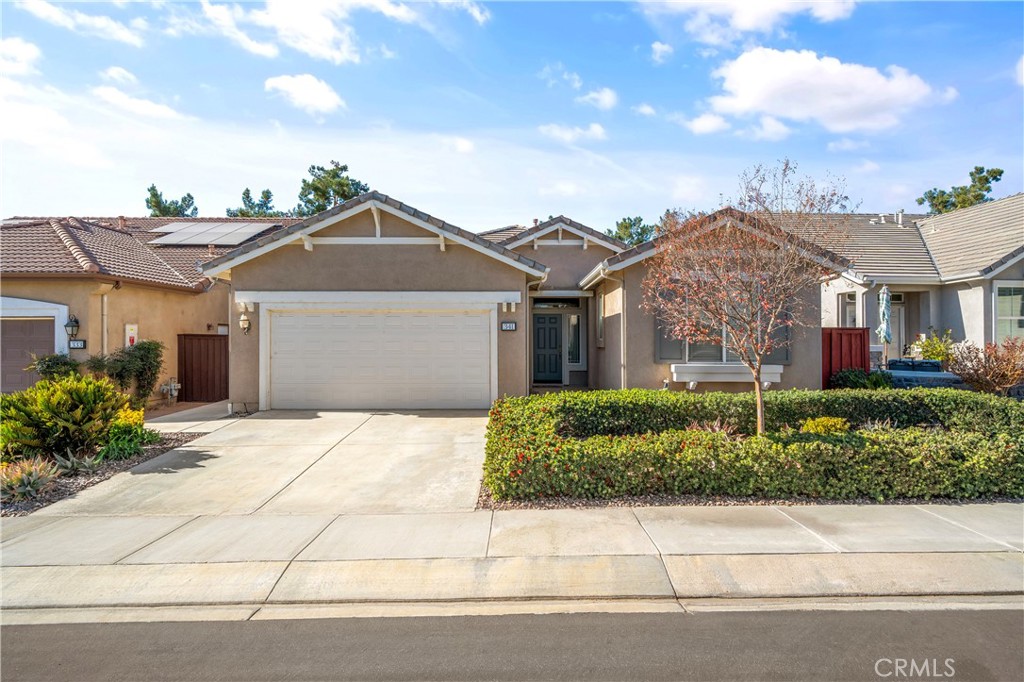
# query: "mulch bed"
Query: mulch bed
486,502
66,486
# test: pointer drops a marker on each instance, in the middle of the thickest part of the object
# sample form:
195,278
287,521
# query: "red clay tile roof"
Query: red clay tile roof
108,247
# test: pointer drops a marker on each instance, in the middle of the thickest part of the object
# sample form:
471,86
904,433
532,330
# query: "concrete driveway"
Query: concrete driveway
305,462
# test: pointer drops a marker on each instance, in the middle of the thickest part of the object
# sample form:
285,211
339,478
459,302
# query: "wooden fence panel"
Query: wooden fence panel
203,367
844,348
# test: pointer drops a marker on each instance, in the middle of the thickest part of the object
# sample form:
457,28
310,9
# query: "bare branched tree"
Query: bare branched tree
741,277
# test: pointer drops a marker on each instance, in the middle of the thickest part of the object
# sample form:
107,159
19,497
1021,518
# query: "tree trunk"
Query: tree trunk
759,399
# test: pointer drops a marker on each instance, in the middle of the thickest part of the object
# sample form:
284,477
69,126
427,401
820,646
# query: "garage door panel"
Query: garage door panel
20,339
380,359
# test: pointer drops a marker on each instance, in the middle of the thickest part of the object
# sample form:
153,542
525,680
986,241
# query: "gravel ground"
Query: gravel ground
485,501
66,486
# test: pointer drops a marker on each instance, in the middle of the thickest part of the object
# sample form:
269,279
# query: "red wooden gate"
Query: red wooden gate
844,348
203,367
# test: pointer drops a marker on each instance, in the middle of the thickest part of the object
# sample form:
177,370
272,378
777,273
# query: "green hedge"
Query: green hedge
582,414
606,444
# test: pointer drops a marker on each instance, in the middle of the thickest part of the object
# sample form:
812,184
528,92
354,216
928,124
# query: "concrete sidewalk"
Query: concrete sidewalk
235,565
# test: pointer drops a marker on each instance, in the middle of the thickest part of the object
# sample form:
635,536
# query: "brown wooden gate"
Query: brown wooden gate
203,367
844,348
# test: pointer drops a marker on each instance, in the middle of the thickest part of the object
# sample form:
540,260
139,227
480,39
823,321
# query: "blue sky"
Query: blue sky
486,114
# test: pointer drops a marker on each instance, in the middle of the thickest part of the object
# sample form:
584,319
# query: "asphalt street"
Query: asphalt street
952,645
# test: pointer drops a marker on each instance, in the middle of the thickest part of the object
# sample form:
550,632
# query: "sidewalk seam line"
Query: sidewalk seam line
490,530
292,560
311,465
661,557
837,548
968,528
155,540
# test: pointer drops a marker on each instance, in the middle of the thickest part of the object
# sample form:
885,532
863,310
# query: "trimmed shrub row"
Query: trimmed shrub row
604,444
592,413
880,464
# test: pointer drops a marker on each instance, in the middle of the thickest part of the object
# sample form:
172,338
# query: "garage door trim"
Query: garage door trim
25,307
406,301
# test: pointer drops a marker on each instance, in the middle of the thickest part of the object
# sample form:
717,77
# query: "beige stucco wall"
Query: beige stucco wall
161,314
643,369
377,268
608,359
569,264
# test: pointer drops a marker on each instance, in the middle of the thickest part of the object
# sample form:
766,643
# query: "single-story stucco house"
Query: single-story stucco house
962,271
121,279
375,304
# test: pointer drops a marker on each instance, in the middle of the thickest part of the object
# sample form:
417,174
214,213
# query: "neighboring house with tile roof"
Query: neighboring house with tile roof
107,274
962,271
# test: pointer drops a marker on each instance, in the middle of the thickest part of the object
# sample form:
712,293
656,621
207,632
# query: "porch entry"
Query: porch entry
547,347
559,341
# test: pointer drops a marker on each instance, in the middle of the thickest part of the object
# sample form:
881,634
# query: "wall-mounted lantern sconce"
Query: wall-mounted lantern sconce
71,327
244,323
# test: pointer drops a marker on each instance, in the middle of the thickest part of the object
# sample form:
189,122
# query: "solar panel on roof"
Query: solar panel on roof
222,234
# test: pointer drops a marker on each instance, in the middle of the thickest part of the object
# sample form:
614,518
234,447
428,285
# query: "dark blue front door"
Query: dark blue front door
547,348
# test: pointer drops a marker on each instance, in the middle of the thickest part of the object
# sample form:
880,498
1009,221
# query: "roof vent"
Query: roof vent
122,222
536,222
881,218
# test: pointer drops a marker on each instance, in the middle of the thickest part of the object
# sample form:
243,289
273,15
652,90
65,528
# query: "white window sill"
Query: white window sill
695,372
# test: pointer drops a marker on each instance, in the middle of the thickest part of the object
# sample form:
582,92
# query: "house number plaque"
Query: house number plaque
508,326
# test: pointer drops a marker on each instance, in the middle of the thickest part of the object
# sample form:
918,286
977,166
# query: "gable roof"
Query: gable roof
649,248
366,201
976,240
518,235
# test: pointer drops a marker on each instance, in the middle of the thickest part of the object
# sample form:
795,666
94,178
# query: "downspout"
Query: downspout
103,323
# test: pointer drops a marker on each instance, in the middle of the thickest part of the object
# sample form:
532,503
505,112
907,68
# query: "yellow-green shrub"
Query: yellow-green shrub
825,426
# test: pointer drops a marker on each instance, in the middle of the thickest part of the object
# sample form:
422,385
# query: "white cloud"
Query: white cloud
555,74
867,166
321,29
306,92
1020,71
225,20
846,145
117,74
801,86
479,13
561,188
569,135
603,98
462,145
723,22
134,105
644,109
18,57
660,52
704,124
91,24
386,52
770,129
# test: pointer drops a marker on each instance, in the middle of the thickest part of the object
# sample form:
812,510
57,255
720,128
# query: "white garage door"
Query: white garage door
380,360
